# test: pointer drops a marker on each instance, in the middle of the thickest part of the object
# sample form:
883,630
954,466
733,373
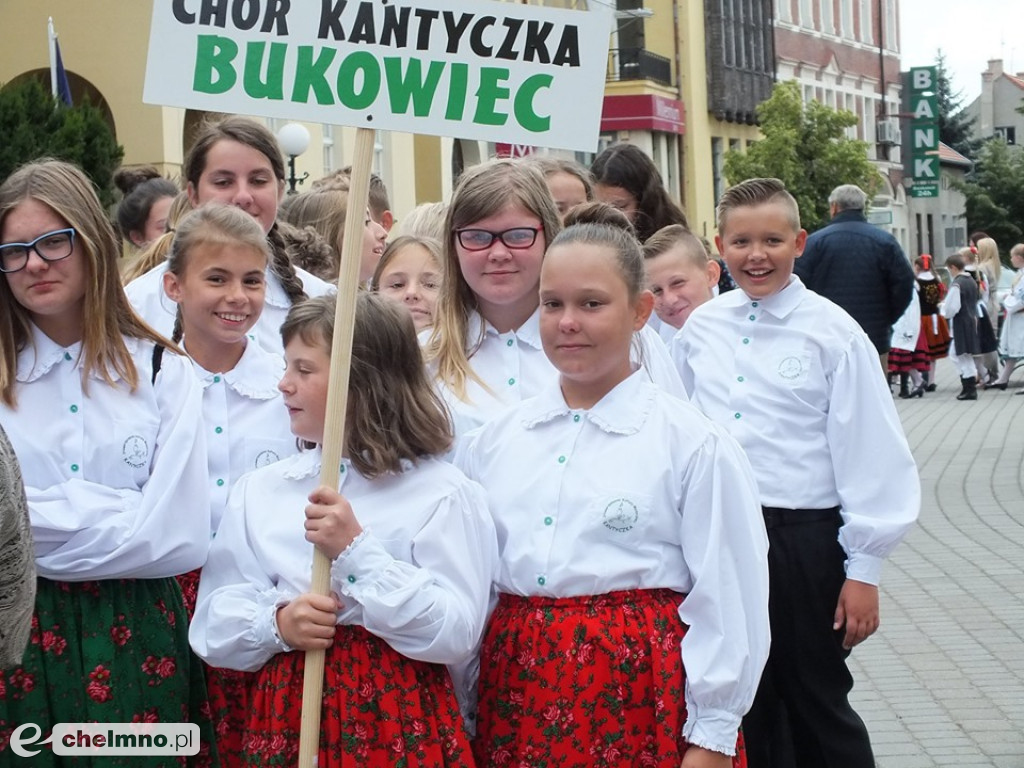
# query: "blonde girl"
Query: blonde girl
409,273
114,466
413,553
631,624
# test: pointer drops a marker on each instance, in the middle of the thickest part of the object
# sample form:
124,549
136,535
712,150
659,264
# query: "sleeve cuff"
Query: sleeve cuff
267,633
714,729
356,569
861,566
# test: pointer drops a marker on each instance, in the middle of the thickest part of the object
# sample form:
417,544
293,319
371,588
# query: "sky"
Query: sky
969,34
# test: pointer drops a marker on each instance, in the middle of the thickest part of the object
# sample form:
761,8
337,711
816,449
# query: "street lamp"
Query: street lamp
294,140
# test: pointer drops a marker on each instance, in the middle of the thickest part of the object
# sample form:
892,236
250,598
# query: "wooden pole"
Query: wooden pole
334,420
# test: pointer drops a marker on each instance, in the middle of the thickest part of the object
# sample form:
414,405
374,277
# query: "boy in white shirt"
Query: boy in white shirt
795,380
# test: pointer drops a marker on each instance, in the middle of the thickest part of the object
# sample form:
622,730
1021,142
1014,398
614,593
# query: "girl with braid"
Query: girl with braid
237,161
216,277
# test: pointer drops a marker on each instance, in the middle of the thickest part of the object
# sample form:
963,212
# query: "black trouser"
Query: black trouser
801,714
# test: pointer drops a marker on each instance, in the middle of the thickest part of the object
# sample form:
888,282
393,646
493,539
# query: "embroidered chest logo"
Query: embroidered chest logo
620,515
135,451
266,457
790,368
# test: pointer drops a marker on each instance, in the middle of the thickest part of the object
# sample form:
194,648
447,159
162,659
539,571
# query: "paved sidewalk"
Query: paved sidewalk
942,682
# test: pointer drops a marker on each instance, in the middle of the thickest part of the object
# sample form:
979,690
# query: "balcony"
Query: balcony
638,64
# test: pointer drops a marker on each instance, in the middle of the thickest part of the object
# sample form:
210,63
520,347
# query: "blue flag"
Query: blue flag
63,87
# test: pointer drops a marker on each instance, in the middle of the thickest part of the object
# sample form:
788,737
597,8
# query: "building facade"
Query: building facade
995,111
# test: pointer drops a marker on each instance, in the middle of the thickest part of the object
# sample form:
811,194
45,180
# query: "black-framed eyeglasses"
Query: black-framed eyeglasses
52,246
479,239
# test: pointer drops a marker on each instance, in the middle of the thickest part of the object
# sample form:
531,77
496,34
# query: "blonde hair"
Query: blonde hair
426,219
483,191
107,316
394,415
215,224
988,260
432,246
324,212
754,192
667,238
156,252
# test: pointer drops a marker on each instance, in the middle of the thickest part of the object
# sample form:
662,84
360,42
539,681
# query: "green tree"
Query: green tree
995,193
34,124
956,127
804,145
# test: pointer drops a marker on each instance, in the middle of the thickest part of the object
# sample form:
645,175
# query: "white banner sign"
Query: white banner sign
475,69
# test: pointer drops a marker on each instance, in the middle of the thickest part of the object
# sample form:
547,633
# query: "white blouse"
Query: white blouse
244,420
639,492
146,293
514,367
418,577
116,480
797,382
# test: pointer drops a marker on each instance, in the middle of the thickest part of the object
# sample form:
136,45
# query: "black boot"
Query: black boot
970,389
929,385
904,386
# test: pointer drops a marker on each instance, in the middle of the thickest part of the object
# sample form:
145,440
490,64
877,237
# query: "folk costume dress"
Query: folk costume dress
513,367
632,617
1011,337
146,293
414,586
933,325
119,503
246,427
909,350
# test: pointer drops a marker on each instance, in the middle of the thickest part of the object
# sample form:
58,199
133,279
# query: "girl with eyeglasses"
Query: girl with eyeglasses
485,348
114,467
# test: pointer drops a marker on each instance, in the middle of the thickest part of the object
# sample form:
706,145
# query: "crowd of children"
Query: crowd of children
557,520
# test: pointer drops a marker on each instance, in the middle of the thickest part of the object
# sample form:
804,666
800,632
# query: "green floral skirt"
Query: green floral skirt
108,652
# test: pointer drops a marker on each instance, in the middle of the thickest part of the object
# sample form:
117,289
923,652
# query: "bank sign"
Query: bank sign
924,132
476,69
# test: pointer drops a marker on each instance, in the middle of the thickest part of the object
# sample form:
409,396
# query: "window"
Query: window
328,131
783,11
1007,133
806,14
828,24
717,167
846,28
867,30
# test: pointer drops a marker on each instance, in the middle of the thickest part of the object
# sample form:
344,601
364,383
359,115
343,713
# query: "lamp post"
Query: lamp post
294,140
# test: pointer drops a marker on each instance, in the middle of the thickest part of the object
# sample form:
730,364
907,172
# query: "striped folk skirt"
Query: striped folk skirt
379,708
583,682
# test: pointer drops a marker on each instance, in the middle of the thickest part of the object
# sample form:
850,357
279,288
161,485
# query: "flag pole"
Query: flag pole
334,420
51,38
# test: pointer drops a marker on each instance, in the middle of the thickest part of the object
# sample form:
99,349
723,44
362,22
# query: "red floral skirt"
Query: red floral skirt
379,708
583,682
228,690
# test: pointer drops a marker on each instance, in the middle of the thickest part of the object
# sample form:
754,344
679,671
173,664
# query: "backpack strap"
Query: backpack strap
158,356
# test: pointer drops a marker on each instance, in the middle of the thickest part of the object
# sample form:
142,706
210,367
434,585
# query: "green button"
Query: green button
548,521
74,467
216,379
220,482
74,409
218,430
576,417
341,469
736,415
511,382
753,317
753,304
541,580
746,341
351,579
67,355
509,342
561,459
739,378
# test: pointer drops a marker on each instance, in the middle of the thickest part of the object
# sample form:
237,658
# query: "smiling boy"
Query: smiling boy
795,380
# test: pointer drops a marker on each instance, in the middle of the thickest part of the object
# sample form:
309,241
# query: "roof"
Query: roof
949,155
1019,82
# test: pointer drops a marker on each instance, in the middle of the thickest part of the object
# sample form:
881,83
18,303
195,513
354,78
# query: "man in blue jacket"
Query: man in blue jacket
859,267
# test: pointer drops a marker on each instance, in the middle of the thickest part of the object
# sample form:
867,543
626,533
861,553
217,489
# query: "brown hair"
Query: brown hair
667,238
142,187
596,212
248,132
432,246
394,414
323,211
626,249
753,192
549,166
107,317
156,252
217,224
483,191
626,165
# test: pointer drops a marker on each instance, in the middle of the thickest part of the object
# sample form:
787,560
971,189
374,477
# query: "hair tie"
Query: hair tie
926,260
